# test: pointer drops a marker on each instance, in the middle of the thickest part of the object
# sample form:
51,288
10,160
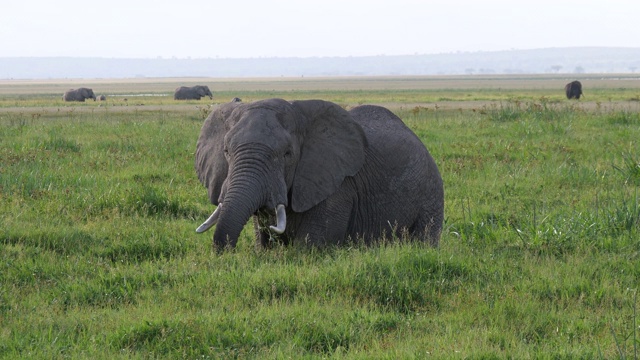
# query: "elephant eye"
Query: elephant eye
287,153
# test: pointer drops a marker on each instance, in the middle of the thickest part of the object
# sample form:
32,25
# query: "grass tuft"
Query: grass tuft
630,168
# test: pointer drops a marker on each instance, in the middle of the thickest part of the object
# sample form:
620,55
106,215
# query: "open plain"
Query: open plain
539,258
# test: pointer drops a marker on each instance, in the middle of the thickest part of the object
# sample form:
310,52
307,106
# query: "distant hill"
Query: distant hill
538,61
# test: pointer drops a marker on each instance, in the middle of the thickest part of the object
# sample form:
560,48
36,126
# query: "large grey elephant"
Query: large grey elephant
311,171
192,93
79,94
573,90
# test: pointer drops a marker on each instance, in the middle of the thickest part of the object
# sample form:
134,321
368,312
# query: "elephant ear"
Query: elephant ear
333,148
211,164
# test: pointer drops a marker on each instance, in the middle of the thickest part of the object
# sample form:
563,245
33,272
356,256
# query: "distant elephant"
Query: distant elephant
102,98
192,93
79,94
317,174
236,99
573,90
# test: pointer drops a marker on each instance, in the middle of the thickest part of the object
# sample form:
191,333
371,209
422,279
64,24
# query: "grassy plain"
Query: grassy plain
540,257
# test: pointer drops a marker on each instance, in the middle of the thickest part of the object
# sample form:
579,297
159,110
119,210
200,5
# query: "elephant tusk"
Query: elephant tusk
212,220
281,219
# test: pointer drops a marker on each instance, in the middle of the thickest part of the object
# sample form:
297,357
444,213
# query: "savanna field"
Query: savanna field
539,257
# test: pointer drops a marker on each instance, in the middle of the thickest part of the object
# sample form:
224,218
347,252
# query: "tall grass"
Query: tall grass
538,258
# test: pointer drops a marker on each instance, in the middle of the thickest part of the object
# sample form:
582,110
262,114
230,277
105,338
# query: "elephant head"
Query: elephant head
272,154
203,90
86,93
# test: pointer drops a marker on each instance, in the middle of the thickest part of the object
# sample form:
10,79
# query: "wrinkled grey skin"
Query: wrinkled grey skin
79,94
573,90
192,93
340,175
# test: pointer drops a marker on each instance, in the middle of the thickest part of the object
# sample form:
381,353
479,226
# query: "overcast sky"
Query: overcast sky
304,28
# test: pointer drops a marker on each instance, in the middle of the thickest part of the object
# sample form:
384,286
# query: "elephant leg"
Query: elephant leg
262,236
427,228
327,223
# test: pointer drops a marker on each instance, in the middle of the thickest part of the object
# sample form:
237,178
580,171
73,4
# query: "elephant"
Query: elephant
192,93
102,98
573,90
79,94
311,172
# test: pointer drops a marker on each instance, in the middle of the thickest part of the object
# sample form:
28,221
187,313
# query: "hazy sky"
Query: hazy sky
283,28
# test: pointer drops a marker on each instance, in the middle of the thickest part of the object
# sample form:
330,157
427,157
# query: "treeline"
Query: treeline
540,61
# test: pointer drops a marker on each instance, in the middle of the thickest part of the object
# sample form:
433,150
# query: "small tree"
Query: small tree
556,68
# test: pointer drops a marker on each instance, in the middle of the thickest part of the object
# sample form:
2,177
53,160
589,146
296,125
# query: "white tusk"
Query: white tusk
212,220
281,219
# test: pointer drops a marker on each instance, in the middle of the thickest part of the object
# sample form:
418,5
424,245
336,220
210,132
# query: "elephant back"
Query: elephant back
391,142
384,130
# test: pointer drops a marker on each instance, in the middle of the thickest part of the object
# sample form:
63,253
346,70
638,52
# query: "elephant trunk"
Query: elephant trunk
234,214
246,193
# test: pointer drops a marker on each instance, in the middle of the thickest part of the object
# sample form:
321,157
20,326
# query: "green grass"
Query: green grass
539,257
